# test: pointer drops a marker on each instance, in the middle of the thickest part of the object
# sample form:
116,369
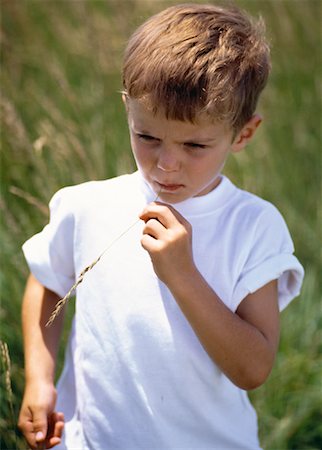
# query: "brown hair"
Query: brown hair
191,59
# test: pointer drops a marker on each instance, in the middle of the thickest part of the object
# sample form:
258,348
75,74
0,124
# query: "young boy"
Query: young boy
181,316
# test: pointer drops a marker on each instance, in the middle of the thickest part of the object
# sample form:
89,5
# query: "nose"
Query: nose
168,160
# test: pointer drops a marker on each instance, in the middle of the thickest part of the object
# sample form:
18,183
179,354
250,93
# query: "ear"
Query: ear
246,133
125,101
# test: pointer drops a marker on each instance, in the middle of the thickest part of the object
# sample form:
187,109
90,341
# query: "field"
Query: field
62,122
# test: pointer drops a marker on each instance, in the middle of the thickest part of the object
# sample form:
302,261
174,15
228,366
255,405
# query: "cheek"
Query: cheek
207,168
135,147
141,154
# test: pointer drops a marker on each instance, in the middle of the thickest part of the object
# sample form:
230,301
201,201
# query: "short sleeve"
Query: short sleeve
270,258
49,254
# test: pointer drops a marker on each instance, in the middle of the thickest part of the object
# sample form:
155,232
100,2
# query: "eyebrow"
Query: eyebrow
204,141
200,140
142,131
192,140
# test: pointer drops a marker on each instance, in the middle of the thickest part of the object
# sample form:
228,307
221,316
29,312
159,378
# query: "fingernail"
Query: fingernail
39,436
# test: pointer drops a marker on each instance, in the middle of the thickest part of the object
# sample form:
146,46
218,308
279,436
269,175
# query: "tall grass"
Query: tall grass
62,122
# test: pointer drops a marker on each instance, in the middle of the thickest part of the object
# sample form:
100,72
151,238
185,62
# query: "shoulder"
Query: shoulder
78,197
253,207
256,218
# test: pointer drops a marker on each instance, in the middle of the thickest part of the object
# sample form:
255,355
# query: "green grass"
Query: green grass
62,122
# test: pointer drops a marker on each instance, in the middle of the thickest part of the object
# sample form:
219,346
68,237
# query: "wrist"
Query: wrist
39,367
39,381
183,281
38,376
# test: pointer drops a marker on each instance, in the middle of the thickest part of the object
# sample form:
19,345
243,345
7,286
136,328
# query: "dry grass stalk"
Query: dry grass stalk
63,301
5,358
7,367
30,199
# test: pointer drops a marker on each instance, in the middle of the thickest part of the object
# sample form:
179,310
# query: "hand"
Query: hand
167,236
40,424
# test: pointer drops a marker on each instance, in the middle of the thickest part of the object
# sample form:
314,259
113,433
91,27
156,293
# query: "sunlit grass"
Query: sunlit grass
62,122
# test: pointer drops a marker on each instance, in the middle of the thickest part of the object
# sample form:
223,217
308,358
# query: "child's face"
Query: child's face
181,159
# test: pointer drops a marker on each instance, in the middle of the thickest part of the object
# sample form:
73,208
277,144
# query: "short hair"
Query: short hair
193,58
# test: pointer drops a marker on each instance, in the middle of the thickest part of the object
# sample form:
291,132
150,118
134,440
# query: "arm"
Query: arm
38,420
242,344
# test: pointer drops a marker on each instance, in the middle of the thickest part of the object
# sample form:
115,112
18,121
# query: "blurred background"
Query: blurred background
62,123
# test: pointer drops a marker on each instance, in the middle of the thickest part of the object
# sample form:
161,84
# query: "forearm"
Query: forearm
41,343
242,344
242,352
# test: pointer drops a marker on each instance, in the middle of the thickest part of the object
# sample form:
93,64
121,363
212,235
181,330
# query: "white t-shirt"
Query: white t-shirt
135,374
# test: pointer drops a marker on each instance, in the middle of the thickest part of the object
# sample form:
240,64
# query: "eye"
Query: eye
195,146
146,137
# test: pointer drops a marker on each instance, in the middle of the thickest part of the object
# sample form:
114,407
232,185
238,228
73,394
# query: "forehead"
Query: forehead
144,119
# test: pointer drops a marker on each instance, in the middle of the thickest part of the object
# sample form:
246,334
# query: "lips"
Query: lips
170,187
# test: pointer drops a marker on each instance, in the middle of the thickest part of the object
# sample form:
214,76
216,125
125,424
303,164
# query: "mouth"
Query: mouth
169,187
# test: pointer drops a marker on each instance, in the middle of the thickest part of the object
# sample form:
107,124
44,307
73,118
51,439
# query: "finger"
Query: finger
59,425
52,442
54,420
161,212
55,429
168,216
175,213
40,423
150,244
26,426
154,228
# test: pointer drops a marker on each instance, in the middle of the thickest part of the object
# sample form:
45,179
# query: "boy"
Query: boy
180,317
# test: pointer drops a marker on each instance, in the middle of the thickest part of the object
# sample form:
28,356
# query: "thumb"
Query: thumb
40,426
39,436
